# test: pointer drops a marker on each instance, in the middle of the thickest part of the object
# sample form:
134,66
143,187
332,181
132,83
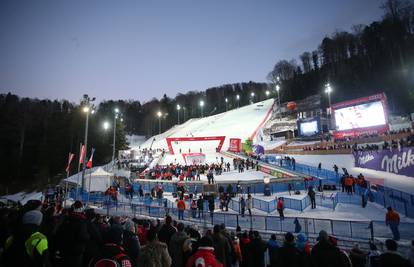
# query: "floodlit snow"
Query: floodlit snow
237,123
135,141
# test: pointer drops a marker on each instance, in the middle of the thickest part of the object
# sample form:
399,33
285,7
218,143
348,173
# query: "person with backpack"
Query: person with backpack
113,254
155,253
72,236
204,256
28,246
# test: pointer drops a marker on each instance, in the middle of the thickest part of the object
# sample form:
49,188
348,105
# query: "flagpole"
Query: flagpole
77,180
66,186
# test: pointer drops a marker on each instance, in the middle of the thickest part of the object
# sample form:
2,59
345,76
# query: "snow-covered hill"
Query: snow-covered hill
240,123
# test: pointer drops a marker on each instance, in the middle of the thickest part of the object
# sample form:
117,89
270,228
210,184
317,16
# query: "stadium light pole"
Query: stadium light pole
184,113
87,108
252,95
238,100
116,115
178,113
226,100
328,90
159,115
278,100
201,107
267,93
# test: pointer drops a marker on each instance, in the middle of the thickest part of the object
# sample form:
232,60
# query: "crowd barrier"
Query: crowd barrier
310,226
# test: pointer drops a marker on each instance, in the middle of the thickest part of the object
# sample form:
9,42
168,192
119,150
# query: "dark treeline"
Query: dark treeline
369,59
36,137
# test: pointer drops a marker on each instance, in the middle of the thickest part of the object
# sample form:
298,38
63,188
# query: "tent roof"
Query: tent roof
101,172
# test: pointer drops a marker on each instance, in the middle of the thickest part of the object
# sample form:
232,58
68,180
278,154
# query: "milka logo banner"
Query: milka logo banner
395,161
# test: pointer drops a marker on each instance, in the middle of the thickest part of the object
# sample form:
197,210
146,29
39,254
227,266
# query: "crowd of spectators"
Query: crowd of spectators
44,235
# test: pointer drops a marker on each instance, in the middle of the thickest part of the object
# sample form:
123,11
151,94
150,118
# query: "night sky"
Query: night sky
143,49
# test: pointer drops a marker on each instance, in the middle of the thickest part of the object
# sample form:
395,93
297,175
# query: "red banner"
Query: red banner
235,145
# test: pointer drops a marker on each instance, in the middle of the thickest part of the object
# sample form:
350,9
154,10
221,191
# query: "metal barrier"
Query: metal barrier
339,228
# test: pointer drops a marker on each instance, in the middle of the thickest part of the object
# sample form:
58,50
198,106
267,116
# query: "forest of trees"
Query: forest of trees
37,135
370,59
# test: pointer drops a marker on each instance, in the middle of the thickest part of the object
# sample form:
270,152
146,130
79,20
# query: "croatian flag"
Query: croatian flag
82,155
89,163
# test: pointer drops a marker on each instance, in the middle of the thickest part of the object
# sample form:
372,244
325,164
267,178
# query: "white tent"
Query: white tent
99,180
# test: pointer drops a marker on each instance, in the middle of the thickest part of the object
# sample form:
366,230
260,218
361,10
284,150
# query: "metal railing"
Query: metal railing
310,226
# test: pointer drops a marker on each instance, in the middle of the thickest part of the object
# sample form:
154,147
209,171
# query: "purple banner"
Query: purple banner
395,161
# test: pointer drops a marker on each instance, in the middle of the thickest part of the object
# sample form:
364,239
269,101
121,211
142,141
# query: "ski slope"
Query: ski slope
237,123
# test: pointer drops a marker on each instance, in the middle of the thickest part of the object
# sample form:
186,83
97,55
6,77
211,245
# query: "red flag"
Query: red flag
82,155
71,156
89,163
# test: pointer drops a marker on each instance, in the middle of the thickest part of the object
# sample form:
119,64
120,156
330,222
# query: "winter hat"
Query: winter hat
301,238
323,235
129,226
32,217
289,237
77,206
333,240
206,241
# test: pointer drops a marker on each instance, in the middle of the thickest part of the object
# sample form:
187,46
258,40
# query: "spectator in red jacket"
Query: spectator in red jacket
205,255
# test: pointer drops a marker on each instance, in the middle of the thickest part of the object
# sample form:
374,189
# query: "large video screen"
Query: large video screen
309,128
360,116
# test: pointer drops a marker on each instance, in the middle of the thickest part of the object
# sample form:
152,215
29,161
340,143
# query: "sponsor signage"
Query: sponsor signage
235,145
394,161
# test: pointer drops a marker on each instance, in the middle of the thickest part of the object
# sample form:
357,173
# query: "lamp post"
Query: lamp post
87,108
252,95
178,113
159,115
226,100
238,100
267,93
278,100
116,114
328,90
184,109
201,107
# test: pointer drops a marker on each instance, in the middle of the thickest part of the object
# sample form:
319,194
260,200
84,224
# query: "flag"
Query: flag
82,155
71,156
89,163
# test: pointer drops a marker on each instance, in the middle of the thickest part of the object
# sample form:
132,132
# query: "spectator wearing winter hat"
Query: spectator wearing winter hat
256,248
28,247
204,256
130,241
289,255
166,231
272,248
357,256
302,243
324,254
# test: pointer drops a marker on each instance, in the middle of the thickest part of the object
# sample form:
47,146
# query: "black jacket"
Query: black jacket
72,235
326,255
290,256
392,259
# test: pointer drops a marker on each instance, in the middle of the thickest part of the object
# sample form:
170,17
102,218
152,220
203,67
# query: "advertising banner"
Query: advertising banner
235,145
395,161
